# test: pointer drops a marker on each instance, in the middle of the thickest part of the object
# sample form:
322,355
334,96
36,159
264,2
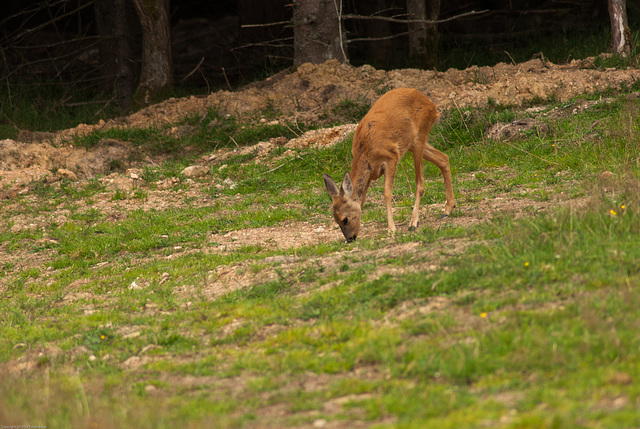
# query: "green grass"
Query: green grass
517,318
196,134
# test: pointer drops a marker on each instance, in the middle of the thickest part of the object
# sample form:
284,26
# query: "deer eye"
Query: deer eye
345,221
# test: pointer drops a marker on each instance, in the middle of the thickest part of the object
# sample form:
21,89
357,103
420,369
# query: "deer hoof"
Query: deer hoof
444,216
412,228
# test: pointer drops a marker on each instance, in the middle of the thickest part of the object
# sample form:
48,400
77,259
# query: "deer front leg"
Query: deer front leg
389,176
441,161
415,214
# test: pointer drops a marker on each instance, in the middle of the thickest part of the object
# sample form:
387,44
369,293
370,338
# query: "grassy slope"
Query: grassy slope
532,323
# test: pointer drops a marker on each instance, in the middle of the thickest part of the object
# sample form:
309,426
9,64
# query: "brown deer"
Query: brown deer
399,122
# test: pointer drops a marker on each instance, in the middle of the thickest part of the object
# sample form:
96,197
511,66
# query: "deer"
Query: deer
397,123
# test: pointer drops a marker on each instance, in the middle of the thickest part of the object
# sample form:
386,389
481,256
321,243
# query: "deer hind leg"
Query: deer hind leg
441,161
415,213
389,176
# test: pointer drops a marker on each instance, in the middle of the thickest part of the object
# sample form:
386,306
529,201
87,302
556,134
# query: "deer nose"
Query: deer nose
352,239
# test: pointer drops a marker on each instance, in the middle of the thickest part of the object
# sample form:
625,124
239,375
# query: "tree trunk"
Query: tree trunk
423,37
156,74
318,33
116,24
620,34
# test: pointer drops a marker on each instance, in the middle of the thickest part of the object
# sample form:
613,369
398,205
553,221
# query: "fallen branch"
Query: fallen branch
282,165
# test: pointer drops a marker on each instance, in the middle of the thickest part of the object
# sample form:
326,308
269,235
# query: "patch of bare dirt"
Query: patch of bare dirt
229,278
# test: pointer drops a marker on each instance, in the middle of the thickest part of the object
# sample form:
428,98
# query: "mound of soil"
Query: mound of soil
304,94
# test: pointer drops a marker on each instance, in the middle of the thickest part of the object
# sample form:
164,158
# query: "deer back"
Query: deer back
398,122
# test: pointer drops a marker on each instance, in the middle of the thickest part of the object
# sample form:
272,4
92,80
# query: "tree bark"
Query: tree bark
423,37
156,74
620,34
318,34
116,24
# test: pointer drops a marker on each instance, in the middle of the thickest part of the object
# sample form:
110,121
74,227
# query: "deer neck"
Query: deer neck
361,177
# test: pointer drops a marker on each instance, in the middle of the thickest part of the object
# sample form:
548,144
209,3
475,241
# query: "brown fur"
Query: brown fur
399,122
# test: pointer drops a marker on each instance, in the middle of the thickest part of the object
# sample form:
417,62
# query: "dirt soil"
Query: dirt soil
303,94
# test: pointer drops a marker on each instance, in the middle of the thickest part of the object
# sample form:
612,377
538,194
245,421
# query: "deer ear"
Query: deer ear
347,186
331,186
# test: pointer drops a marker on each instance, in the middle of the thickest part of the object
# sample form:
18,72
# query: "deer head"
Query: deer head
346,210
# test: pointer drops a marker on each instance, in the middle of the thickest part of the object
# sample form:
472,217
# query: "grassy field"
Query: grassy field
492,318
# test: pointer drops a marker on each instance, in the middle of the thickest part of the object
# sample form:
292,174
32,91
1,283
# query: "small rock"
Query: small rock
319,423
167,183
63,173
134,173
136,362
620,402
195,171
134,286
164,277
230,183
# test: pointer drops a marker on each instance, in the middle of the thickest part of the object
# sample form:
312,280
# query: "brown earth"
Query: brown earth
303,94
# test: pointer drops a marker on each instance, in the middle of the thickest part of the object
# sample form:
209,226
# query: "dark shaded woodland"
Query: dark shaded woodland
227,43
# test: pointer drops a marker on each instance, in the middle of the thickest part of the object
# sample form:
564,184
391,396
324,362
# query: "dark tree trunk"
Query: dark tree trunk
156,74
318,34
423,37
620,34
116,26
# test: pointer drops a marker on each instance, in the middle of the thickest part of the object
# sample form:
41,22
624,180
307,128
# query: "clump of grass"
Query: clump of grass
194,135
349,111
